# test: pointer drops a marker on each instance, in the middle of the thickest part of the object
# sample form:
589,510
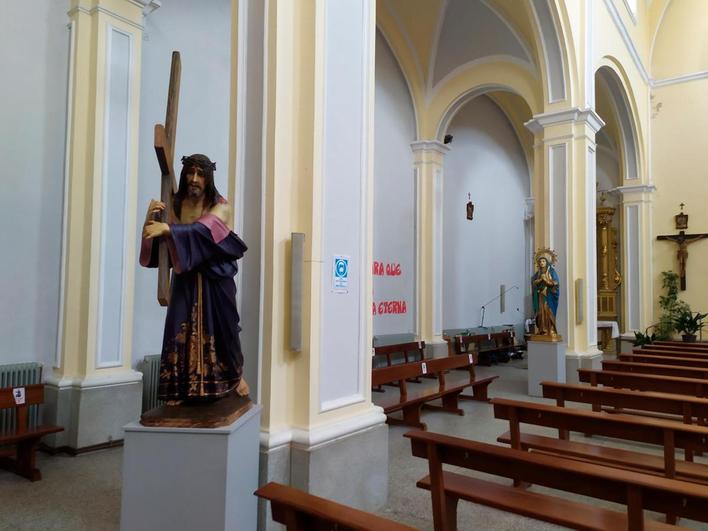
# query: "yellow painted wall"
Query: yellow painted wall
680,47
679,127
680,164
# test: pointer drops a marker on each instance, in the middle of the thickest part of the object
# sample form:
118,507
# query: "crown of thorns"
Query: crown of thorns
199,160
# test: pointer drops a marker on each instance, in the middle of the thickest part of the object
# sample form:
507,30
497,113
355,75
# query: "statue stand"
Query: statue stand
546,361
186,478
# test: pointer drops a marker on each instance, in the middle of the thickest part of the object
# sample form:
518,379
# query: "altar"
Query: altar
606,332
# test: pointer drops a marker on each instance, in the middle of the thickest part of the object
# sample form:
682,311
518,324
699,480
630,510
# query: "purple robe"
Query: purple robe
201,350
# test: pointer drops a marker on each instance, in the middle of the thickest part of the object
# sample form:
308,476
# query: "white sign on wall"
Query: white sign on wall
340,274
18,393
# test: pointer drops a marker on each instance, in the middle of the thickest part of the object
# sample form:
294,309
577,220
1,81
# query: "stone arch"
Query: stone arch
612,76
473,82
406,77
553,51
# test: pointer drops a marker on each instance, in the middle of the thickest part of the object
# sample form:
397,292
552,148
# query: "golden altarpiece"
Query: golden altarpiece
609,277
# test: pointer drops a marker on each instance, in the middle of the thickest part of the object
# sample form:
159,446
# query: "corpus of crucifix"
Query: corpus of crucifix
683,240
453,210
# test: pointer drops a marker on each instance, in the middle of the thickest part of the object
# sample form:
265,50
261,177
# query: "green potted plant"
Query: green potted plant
688,323
670,305
645,338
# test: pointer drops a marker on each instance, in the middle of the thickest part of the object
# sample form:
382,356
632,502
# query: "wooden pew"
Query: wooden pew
410,402
639,492
675,353
656,369
25,438
664,360
698,345
489,347
412,351
681,408
687,409
665,433
645,382
301,511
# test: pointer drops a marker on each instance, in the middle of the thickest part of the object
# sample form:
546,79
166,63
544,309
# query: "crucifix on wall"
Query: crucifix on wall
683,240
165,148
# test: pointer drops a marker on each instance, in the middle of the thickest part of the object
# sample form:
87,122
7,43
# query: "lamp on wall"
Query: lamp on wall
470,207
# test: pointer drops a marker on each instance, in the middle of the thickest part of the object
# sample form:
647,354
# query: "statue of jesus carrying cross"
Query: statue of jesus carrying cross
190,230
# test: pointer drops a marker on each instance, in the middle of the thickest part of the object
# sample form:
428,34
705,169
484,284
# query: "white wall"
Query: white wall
608,174
249,177
34,62
202,35
487,161
394,193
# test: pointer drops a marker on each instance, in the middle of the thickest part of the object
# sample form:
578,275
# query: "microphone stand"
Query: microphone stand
484,306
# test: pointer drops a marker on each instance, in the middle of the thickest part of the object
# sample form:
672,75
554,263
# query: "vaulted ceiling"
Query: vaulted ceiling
443,36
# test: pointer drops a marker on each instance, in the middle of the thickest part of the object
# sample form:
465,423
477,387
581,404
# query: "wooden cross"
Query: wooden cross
683,240
165,148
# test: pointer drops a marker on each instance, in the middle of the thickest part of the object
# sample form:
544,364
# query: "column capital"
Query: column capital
635,189
634,193
430,145
572,116
130,12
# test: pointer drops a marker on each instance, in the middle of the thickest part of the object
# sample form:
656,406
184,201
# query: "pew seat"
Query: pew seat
639,492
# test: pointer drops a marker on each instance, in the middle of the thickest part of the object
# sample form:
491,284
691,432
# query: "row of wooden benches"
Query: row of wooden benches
411,399
490,348
637,480
640,481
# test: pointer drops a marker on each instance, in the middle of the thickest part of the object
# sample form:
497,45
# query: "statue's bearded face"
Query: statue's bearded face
195,182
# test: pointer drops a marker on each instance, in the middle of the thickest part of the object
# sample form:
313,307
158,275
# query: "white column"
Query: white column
564,189
428,170
318,420
637,268
93,367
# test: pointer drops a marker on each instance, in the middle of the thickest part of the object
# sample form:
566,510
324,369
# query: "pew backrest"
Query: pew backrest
414,350
402,371
653,368
301,511
645,382
652,351
696,345
660,432
687,407
664,360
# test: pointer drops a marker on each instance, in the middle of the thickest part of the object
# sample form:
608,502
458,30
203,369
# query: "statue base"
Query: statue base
553,338
546,361
213,414
191,478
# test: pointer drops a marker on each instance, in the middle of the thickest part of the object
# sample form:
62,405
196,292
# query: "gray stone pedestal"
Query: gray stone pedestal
191,478
546,361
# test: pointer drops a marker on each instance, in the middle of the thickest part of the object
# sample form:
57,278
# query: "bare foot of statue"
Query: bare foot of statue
173,402
242,389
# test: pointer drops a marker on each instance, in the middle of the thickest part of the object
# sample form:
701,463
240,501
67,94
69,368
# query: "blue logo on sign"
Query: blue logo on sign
341,267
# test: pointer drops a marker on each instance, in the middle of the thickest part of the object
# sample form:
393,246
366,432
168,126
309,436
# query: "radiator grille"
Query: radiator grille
17,375
150,367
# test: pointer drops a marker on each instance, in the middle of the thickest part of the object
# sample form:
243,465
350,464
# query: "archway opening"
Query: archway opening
487,260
